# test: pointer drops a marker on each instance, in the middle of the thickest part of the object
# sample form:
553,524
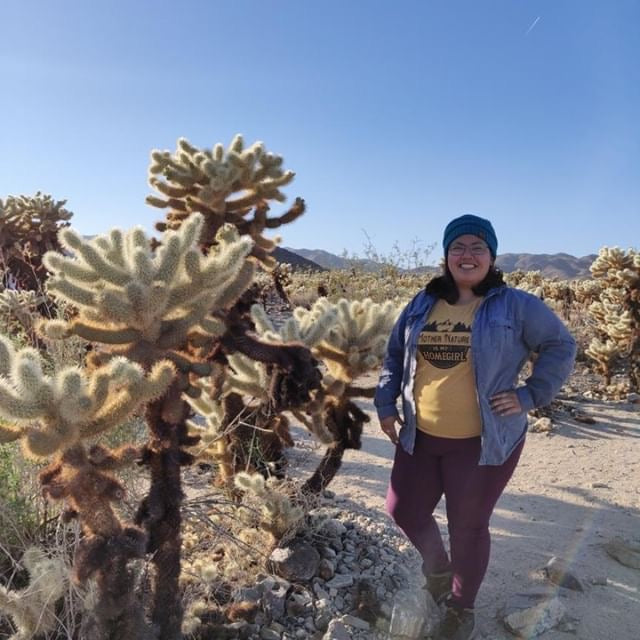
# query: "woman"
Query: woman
454,356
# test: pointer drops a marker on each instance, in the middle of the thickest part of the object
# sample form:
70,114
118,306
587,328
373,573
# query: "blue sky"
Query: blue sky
395,116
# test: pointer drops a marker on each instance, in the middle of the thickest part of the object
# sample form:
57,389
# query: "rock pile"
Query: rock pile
337,581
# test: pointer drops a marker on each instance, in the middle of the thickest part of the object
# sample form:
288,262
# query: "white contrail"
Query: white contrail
533,24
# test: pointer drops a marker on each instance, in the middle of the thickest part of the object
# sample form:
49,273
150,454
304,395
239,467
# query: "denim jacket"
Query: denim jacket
508,325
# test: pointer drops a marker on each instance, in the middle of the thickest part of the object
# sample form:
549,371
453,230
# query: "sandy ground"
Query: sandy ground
574,489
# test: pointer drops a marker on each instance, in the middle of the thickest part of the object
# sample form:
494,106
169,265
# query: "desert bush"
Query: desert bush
22,513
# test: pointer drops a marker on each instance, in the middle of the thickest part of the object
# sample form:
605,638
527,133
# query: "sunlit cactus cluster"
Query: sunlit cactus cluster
52,413
29,227
616,314
228,186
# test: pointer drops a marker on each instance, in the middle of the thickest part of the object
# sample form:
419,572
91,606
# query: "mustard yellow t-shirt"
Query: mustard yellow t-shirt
445,389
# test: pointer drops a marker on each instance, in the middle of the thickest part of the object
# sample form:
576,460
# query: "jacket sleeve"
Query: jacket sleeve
545,334
390,382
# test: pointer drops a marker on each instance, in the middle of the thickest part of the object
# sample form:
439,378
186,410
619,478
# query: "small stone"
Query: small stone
340,581
336,631
386,609
557,571
321,594
535,620
326,569
251,594
625,553
355,622
333,528
275,598
297,562
413,616
296,605
322,618
328,552
541,425
269,634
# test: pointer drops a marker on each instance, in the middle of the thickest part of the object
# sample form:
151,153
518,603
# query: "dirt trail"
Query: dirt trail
575,488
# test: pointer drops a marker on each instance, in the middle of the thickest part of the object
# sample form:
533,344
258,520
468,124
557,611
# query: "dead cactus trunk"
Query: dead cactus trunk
160,515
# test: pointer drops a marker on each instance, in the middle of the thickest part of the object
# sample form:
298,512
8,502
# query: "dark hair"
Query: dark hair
444,286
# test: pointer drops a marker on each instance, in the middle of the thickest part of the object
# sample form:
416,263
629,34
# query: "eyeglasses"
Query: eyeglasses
474,249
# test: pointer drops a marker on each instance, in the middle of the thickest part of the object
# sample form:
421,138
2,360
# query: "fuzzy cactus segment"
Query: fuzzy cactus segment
279,514
32,608
227,186
357,340
142,302
54,412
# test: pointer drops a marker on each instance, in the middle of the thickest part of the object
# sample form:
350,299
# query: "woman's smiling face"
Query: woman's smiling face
469,260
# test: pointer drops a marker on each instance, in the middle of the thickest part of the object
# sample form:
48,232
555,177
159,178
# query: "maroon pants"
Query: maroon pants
448,466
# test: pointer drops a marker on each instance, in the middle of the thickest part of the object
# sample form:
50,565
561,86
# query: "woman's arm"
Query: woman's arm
545,334
390,381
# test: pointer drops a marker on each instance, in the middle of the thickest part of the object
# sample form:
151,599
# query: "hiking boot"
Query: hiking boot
457,624
439,585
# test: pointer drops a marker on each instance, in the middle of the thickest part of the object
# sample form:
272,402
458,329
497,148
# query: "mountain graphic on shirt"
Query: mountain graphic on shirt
444,344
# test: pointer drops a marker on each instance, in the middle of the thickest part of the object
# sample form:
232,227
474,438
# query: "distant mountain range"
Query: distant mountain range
556,265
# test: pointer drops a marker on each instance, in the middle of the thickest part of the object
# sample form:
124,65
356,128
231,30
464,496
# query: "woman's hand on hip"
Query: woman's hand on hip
388,426
506,403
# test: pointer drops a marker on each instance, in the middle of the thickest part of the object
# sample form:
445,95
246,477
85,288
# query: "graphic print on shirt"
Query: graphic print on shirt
444,344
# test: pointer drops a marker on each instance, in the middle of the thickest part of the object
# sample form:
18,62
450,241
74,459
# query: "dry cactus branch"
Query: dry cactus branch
32,608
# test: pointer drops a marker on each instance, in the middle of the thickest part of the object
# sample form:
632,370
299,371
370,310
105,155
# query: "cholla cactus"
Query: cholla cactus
32,608
145,305
617,313
203,180
146,302
28,228
586,291
604,355
307,326
19,312
350,338
54,415
530,281
279,516
149,306
356,343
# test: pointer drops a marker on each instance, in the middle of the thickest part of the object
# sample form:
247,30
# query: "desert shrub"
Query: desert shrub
21,509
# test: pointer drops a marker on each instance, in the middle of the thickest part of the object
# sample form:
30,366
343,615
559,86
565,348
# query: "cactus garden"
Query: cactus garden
188,447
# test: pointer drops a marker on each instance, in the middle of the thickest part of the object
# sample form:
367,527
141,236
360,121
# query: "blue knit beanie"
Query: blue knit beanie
474,225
